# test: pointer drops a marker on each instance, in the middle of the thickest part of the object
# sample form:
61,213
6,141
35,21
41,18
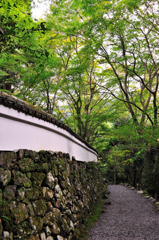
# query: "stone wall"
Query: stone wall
45,195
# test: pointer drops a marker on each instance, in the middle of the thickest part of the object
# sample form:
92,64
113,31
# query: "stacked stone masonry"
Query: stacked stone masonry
45,195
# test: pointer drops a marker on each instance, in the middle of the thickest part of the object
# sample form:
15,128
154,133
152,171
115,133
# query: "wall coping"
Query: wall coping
21,106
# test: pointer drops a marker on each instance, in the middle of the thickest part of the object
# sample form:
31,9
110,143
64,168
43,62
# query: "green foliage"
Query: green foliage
91,220
93,65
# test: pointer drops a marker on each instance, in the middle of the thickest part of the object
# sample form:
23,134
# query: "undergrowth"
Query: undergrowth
91,220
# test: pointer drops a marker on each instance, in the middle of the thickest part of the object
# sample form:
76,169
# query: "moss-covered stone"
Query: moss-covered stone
48,231
50,180
58,191
37,223
20,154
37,178
58,203
34,156
57,215
45,156
33,193
23,230
74,209
74,218
19,212
34,237
6,216
49,219
9,192
64,184
20,179
29,207
48,193
55,170
65,226
28,174
42,167
20,194
55,228
60,163
5,177
61,169
60,237
68,168
26,165
26,153
50,206
7,158
40,207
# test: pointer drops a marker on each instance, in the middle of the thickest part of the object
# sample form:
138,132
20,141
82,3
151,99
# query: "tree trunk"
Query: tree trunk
114,174
7,86
115,170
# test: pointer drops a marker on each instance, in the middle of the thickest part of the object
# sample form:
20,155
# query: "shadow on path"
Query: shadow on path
129,217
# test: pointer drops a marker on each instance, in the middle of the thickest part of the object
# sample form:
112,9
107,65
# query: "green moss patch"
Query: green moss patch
91,220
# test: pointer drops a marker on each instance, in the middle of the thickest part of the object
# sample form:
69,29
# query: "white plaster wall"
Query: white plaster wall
21,131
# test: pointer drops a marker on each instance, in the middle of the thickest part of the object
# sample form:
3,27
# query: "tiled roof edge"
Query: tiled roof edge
19,105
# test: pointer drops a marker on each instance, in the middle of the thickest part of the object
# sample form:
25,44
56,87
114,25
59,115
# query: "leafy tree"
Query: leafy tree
131,53
15,24
22,55
125,46
94,65
79,74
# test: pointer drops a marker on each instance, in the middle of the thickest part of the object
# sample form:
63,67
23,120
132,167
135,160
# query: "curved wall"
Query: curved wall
22,131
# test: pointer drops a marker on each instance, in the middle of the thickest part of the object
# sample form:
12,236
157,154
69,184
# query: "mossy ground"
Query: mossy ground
92,219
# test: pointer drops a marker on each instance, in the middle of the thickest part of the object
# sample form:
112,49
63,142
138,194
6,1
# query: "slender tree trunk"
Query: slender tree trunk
54,102
114,175
7,86
157,176
115,170
134,181
155,109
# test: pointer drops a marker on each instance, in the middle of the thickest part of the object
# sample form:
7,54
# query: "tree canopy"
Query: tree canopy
93,65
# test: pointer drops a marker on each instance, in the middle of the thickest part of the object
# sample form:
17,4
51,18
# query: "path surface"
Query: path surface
129,217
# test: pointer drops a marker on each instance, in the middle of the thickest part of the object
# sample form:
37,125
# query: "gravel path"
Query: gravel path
129,217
